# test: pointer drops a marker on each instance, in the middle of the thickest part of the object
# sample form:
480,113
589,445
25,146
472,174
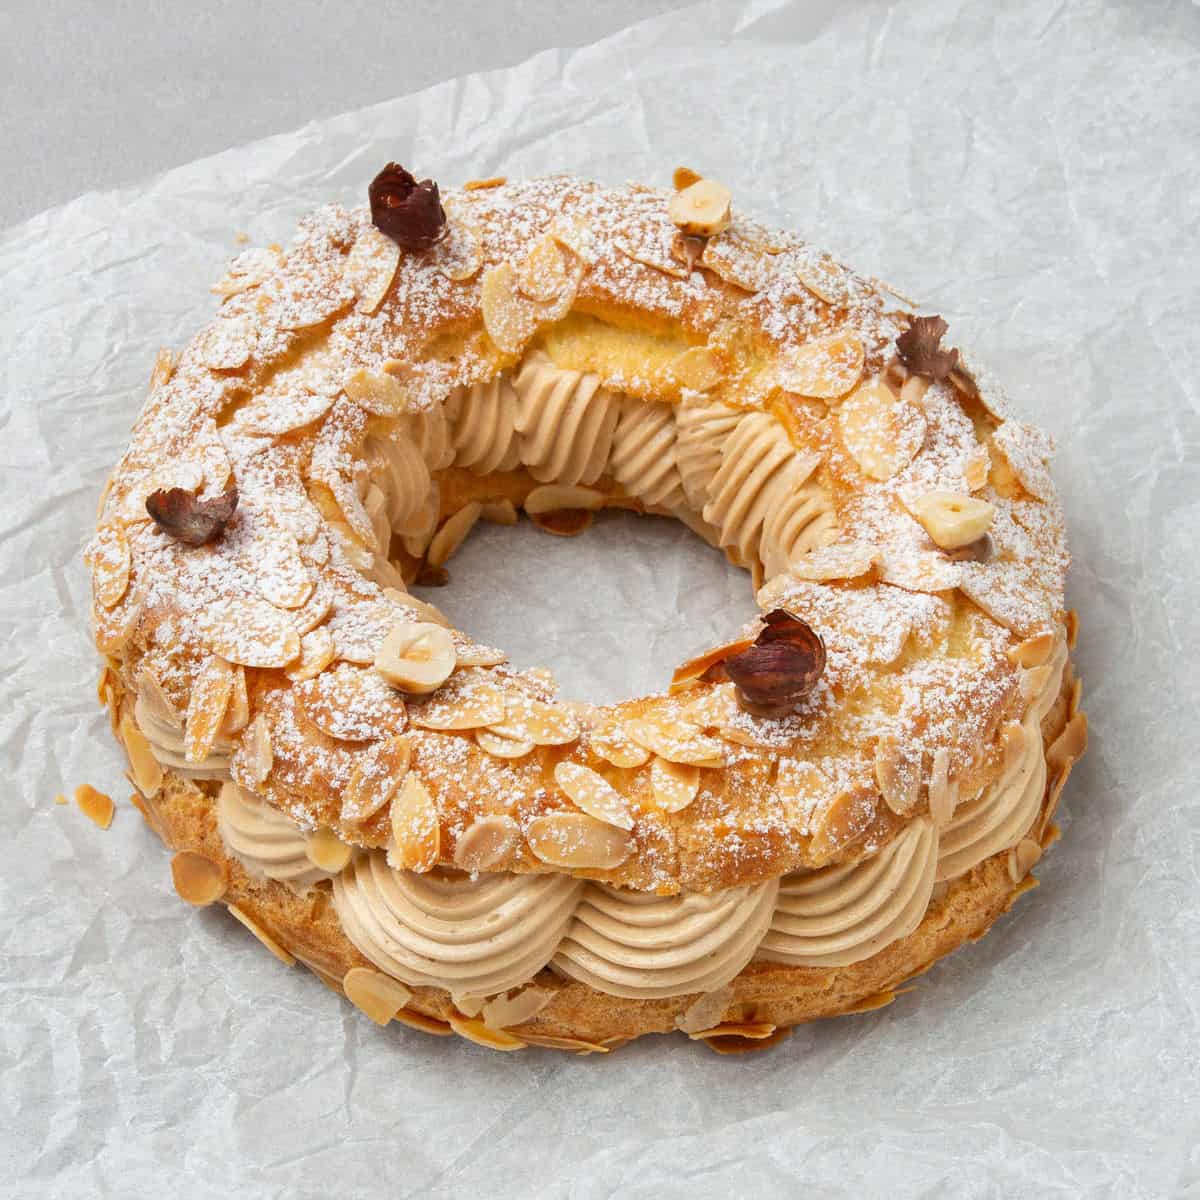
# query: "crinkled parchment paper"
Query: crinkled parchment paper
1028,170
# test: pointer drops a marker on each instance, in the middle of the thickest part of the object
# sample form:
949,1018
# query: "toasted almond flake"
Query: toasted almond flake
575,236
61,799
452,534
1070,745
489,843
378,392
705,1012
492,181
323,848
546,1041
371,267
212,686
542,275
377,995
508,318
251,632
698,368
111,563
943,794
459,254
476,704
226,344
977,469
1072,628
416,656
113,627
247,270
552,497
650,252
1075,697
592,793
96,806
352,703
197,878
754,1030
899,780
1033,651
499,746
881,431
147,770
377,775
684,177
741,1045
472,654
498,512
281,574
1026,451
952,520
736,262
424,610
674,784
826,367
255,752
577,841
467,1003
676,742
872,1003
1028,884
1033,682
316,653
476,1031
426,1024
1023,858
840,560
824,278
416,828
263,936
526,719
164,367
506,1011
614,746
237,711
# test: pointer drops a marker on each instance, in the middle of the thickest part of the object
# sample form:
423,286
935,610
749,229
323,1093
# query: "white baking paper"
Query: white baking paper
1030,171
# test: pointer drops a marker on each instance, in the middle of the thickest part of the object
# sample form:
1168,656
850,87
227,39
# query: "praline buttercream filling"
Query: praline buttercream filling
167,745
488,934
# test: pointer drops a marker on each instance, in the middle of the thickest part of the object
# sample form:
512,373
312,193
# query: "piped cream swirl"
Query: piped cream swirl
263,840
167,745
485,428
644,946
840,915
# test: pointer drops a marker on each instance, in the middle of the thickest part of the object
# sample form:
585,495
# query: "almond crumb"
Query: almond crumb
94,805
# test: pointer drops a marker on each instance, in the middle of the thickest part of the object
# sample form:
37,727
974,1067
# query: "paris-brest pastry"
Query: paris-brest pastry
802,818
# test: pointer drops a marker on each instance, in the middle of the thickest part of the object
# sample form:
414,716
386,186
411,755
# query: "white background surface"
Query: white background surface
1030,171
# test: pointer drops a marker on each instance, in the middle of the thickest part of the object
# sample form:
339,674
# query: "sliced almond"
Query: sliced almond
426,1024
376,391
578,842
674,784
1070,745
575,1045
251,632
469,702
281,574
237,711
472,654
702,209
488,843
324,849
527,719
1072,628
754,1030
706,1012
575,236
552,497
416,827
613,745
211,689
352,704
509,319
564,522
197,878
256,753
96,806
460,255
1023,858
226,344
841,560
370,268
676,741
453,533
317,651
977,468
952,520
506,1011
499,746
698,368
111,563
263,936
1033,651
377,995
898,777
592,793
416,656
248,270
147,770
696,667
542,275
478,185
498,512
881,431
826,367
379,772
476,1031
943,793
684,177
